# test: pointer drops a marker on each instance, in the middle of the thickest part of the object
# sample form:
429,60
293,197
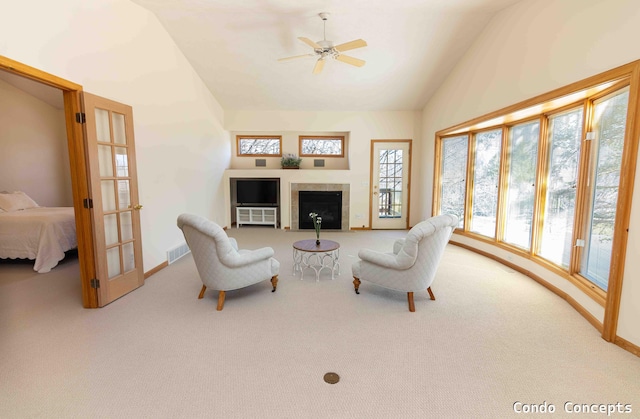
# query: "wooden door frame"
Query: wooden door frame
371,168
78,165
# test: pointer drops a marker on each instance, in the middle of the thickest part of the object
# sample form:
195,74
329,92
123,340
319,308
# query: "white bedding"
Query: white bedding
41,233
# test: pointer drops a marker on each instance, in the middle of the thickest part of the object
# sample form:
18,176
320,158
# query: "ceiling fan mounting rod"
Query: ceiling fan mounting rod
324,16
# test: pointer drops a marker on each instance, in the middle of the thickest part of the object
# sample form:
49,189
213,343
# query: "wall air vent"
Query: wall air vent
177,252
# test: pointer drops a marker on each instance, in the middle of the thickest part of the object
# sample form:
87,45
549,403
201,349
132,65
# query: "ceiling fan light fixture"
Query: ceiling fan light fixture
325,44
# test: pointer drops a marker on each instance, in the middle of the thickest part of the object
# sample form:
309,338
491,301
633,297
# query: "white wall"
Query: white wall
115,49
528,49
362,127
33,148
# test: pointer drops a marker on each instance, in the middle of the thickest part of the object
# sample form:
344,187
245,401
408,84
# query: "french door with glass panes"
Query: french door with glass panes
114,195
390,173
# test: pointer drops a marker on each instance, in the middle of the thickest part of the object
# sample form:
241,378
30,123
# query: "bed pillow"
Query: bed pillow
16,201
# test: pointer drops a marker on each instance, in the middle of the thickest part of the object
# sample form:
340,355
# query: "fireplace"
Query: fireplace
328,206
299,215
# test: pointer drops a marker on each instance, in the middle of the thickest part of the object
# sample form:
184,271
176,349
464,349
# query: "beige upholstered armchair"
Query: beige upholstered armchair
412,265
220,264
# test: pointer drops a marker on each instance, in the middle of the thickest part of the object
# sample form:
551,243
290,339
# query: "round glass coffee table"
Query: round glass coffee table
308,254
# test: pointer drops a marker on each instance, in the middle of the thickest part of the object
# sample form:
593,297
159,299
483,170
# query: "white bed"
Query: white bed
42,234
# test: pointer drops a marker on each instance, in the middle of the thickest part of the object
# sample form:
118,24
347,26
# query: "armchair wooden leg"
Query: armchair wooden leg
412,306
274,282
204,288
220,301
356,284
431,293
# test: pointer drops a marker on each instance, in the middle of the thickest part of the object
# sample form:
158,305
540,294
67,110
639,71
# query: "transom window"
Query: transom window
321,146
259,145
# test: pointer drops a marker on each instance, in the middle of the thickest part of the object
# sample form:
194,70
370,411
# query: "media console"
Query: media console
257,215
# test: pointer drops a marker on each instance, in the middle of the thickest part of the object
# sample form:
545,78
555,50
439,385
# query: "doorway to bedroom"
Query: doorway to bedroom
101,162
35,161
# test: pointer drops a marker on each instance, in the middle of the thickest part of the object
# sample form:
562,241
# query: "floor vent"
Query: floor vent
177,252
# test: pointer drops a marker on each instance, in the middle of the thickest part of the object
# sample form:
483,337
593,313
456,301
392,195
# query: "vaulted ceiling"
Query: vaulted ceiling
234,46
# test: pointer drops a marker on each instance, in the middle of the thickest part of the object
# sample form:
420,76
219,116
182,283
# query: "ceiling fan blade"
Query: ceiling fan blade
358,43
319,66
296,56
350,60
309,42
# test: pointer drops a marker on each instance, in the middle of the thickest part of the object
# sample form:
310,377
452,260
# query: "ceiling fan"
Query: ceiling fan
325,49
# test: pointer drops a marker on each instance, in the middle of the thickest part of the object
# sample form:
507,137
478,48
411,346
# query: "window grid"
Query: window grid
390,191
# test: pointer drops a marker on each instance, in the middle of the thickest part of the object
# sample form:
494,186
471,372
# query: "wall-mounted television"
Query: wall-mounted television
257,191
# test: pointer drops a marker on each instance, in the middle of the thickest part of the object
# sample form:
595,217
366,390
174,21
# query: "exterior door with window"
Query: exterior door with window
114,194
390,180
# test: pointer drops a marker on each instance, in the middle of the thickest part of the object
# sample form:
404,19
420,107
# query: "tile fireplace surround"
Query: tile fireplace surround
296,187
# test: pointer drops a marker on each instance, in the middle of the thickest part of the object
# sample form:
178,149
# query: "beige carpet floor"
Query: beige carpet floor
492,337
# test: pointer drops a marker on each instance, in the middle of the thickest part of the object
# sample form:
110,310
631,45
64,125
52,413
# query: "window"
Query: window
390,191
454,176
554,194
486,174
523,153
609,125
564,135
321,146
259,145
